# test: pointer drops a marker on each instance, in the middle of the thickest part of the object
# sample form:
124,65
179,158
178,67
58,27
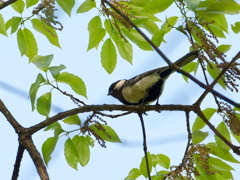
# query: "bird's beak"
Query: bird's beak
109,94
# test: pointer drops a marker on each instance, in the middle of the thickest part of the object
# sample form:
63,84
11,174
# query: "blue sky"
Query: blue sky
166,131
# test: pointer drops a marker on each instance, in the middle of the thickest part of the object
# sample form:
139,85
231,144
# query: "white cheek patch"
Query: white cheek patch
119,84
138,91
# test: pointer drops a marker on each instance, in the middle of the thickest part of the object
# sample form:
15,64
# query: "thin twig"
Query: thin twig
145,145
189,139
17,164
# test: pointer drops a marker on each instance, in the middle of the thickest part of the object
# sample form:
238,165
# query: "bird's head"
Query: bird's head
115,88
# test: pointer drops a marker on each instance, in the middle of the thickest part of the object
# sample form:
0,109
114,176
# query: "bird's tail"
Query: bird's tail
187,58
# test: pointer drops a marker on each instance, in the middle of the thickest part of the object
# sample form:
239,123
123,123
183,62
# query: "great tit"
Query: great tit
146,87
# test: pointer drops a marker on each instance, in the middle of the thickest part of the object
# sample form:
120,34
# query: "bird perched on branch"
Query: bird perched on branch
146,87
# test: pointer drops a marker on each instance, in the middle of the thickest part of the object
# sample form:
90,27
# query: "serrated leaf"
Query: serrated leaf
73,120
137,39
30,3
123,46
133,174
18,6
47,149
42,62
223,7
156,6
71,154
108,56
192,4
34,88
224,48
56,127
236,27
55,70
66,5
3,29
143,166
199,123
95,37
21,42
75,82
44,104
94,23
150,26
157,38
198,136
215,150
169,23
108,134
214,71
28,42
86,6
222,129
50,33
15,21
219,164
82,147
164,161
190,67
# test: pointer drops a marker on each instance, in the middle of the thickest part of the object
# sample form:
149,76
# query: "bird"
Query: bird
146,87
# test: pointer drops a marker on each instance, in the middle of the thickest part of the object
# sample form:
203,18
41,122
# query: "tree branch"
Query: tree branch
18,162
7,3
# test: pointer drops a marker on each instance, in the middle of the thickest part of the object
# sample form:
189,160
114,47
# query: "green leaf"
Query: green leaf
44,104
224,48
169,23
223,7
123,46
66,5
34,88
136,38
2,26
108,56
47,148
236,27
18,6
86,6
75,82
198,136
55,70
215,150
219,164
133,174
94,23
224,131
214,71
73,120
157,38
150,26
71,154
156,6
56,126
95,37
30,3
105,132
143,166
192,4
21,42
164,161
46,30
90,141
27,43
82,147
190,67
15,23
199,123
42,62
